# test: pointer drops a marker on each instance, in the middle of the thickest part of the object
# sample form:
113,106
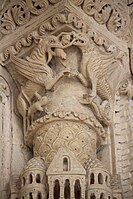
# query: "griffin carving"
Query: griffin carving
96,66
36,70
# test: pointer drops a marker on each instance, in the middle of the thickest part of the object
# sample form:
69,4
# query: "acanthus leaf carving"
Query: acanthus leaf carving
109,13
99,10
19,13
114,23
113,15
13,16
62,18
7,23
37,7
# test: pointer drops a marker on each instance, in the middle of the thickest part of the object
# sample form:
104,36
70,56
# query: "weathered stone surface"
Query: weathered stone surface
66,99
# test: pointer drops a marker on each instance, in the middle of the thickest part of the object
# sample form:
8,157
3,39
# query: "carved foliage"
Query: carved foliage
62,18
17,13
44,30
14,15
106,12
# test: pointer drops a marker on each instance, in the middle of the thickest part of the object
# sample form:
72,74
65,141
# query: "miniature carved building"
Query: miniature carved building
33,180
66,99
98,180
66,176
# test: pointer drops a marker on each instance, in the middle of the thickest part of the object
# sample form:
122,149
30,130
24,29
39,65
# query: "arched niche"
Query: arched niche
77,189
38,178
102,196
30,179
66,163
56,189
92,178
67,190
100,178
92,196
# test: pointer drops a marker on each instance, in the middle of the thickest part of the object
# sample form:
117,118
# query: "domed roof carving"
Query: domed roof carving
95,164
35,163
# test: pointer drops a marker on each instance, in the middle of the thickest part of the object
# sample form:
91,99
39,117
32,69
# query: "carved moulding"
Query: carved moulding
4,91
114,15
68,17
46,28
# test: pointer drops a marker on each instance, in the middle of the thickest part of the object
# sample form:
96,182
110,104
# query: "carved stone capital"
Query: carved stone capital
68,15
114,15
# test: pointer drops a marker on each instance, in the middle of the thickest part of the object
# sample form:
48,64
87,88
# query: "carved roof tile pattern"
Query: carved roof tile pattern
34,163
95,164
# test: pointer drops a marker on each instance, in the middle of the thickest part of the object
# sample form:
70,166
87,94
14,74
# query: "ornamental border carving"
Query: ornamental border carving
66,116
4,91
17,13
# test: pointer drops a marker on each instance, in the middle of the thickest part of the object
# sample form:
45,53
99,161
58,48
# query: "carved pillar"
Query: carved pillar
5,137
68,64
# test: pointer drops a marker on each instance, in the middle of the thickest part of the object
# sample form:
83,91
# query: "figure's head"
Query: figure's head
66,39
44,100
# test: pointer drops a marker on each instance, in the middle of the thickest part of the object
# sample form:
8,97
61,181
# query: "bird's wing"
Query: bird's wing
102,65
30,69
108,65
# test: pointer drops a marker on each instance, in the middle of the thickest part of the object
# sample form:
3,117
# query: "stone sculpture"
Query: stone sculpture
68,75
52,110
